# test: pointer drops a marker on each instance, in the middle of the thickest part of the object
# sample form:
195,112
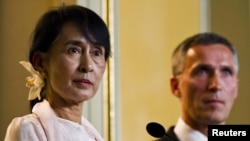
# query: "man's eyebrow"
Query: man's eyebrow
228,67
203,65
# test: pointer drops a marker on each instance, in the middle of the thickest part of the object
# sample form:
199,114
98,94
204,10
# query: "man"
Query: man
205,80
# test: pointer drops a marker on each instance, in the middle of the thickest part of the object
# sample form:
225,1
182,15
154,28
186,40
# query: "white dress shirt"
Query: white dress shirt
186,133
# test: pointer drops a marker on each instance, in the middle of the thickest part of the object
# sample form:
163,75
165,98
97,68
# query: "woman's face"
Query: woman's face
74,67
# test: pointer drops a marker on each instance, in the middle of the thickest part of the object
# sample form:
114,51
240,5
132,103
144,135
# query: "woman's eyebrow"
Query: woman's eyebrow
73,42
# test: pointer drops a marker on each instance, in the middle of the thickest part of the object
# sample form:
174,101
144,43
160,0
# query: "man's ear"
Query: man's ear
174,84
237,88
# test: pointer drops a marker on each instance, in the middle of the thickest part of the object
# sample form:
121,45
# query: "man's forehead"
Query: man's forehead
214,56
213,50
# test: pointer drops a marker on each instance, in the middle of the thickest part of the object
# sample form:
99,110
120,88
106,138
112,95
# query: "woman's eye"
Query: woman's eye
97,52
74,50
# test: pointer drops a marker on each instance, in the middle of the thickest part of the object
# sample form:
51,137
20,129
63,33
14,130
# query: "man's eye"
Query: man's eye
201,72
227,72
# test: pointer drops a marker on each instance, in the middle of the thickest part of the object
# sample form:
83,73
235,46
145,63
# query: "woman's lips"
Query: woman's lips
83,83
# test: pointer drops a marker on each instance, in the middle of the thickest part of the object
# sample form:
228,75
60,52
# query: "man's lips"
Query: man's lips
215,101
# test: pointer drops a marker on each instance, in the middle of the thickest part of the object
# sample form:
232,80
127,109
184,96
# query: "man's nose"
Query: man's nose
214,82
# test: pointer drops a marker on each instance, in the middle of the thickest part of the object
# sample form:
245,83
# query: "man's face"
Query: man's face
208,85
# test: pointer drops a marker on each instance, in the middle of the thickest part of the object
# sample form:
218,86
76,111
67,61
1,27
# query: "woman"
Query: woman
68,54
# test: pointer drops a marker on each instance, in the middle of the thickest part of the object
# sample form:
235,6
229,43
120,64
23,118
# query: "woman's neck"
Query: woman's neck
66,110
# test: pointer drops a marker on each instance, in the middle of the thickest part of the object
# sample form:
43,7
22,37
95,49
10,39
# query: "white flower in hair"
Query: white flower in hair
34,82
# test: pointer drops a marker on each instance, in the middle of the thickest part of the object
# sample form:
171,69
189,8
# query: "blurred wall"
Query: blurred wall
231,18
17,22
148,33
18,19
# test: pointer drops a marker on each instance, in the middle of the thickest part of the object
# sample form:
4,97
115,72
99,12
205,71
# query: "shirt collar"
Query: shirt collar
186,133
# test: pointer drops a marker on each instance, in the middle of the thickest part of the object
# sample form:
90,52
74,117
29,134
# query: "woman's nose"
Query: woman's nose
86,63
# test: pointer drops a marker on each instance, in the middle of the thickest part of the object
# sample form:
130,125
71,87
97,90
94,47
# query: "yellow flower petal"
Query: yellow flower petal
28,67
34,82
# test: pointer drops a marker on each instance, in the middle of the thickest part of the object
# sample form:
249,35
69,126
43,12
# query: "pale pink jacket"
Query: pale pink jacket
44,125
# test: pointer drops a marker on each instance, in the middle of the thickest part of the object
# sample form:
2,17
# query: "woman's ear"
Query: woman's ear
174,84
38,62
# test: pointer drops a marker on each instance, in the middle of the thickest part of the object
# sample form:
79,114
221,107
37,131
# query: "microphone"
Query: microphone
155,129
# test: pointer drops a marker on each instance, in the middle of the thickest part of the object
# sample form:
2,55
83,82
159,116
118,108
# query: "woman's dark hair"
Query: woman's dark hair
49,26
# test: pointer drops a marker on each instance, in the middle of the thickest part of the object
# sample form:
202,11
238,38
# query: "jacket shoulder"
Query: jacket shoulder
169,136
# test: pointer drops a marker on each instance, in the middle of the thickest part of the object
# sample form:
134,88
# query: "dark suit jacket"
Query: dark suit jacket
169,136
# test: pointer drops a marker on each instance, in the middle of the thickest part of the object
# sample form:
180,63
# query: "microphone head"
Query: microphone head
155,129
